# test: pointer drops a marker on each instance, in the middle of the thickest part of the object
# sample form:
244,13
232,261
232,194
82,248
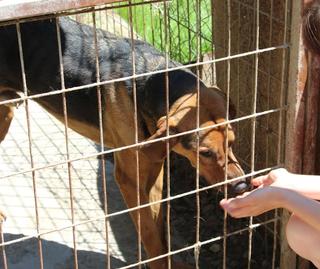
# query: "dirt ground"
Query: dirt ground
183,212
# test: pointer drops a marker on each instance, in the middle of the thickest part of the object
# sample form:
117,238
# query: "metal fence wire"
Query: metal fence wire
89,67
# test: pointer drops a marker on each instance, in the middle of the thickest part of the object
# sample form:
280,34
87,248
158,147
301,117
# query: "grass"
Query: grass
188,33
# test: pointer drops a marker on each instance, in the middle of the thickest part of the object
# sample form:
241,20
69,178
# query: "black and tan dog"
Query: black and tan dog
42,70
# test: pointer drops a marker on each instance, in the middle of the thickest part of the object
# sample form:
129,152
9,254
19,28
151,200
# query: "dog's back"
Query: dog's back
42,68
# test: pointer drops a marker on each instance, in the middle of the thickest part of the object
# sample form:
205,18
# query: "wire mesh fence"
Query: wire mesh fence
90,68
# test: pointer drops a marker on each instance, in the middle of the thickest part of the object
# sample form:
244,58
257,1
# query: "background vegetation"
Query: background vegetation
189,26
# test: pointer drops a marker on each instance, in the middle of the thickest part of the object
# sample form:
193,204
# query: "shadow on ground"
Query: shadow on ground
25,255
122,226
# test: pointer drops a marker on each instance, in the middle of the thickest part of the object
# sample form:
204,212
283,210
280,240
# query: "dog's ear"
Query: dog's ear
152,100
156,151
232,107
216,93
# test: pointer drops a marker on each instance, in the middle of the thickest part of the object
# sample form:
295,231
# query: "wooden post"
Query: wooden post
302,92
302,115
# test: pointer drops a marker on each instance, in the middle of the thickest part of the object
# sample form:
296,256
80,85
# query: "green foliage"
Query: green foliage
188,32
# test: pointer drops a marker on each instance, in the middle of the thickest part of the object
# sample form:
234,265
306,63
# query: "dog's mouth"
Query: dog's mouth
235,188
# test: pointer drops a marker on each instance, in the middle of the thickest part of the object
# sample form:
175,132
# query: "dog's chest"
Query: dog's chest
121,119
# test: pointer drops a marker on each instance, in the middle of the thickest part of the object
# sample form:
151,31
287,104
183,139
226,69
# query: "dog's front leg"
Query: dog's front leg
151,227
154,190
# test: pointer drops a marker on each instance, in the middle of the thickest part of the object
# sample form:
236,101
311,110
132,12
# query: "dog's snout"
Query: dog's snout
240,187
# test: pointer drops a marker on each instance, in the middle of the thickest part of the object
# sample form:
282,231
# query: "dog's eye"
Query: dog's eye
207,153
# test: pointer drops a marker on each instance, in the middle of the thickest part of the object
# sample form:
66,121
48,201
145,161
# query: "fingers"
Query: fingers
235,203
248,204
272,177
261,180
251,203
234,208
245,212
240,208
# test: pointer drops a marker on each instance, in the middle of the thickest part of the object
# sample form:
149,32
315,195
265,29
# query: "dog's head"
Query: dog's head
213,142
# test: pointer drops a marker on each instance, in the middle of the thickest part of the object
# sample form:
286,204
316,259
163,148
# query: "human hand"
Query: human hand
253,203
277,178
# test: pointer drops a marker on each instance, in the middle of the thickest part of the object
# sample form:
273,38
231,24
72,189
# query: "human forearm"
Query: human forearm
306,185
305,208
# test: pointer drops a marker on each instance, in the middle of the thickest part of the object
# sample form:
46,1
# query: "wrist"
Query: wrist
287,180
281,197
287,198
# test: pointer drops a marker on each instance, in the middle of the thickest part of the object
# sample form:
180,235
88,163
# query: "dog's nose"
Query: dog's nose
239,187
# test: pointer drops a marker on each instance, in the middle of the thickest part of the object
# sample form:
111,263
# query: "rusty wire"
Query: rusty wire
26,102
3,250
254,120
164,200
96,84
167,94
103,162
144,143
114,5
135,146
203,243
281,125
65,115
225,187
198,212
136,138
268,121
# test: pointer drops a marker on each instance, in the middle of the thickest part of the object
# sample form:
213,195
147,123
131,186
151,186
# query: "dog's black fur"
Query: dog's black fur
41,63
